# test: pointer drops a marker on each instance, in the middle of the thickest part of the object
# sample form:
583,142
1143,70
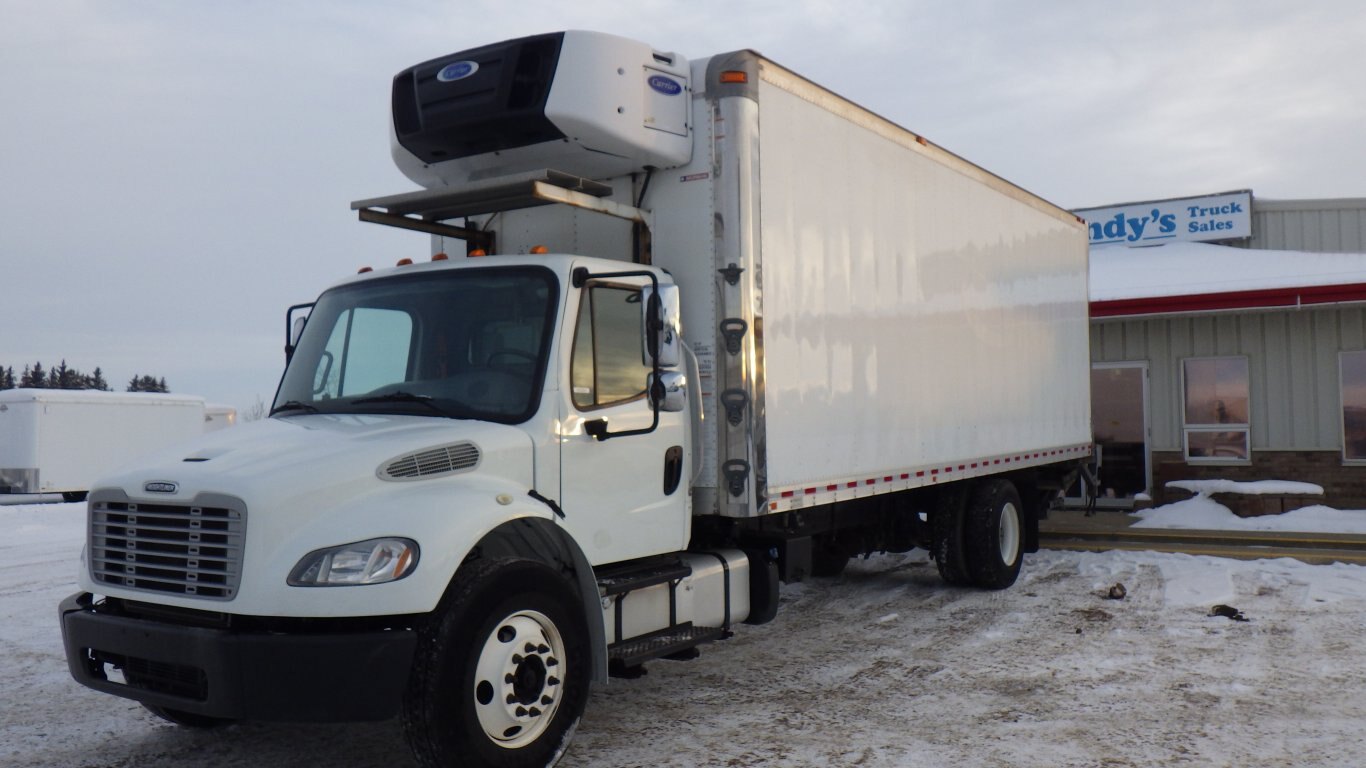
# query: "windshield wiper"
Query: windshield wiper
293,405
406,397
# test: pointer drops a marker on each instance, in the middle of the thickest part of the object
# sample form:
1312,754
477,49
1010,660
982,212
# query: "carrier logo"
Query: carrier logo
665,85
457,71
160,487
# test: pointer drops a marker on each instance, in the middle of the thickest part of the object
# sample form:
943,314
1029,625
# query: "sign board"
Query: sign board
1225,216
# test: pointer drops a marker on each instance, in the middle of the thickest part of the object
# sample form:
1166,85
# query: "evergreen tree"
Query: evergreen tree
147,384
97,381
35,377
7,378
63,377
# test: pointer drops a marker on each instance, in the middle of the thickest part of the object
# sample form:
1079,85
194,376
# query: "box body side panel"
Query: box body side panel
917,311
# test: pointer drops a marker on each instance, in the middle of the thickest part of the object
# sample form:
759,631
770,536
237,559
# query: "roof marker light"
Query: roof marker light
539,250
439,257
363,270
476,253
404,262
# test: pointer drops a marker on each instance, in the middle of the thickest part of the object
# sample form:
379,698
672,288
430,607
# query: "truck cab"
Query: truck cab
526,412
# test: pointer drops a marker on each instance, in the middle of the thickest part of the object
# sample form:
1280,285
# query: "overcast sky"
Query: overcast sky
175,174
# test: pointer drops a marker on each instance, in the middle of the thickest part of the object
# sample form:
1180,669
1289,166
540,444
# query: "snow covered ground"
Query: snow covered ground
883,666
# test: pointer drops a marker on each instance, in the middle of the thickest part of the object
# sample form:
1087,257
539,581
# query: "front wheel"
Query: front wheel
994,534
501,672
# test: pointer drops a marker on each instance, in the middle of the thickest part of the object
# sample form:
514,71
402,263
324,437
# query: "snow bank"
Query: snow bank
1250,488
1204,513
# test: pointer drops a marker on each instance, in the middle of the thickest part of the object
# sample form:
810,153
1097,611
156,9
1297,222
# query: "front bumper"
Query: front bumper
328,675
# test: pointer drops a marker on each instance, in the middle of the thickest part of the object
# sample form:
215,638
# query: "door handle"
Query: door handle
673,469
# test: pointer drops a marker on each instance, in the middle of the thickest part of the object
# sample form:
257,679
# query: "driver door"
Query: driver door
616,491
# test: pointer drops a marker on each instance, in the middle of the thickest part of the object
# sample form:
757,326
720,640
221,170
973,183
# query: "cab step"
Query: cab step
623,579
626,656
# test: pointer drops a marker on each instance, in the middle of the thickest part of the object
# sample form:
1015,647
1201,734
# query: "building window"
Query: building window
1216,412
1352,382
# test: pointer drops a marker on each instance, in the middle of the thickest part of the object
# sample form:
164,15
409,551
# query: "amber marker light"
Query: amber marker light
439,257
539,250
476,253
734,76
405,559
403,262
363,270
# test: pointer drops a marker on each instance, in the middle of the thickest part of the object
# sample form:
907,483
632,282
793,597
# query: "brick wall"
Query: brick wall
1344,487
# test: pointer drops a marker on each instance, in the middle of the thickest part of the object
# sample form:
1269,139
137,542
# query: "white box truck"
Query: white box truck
59,441
689,328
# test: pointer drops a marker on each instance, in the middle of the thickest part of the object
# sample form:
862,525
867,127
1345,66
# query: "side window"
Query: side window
1216,412
607,367
367,349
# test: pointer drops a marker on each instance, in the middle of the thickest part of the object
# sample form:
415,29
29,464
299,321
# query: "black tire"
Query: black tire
187,719
946,537
517,618
994,533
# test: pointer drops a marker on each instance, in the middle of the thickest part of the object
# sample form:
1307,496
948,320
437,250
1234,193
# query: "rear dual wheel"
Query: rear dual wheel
979,540
994,534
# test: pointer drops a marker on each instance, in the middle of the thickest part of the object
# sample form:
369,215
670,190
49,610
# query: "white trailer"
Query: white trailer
688,329
59,441
218,416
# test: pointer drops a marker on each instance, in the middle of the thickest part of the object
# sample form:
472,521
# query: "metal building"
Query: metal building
1228,340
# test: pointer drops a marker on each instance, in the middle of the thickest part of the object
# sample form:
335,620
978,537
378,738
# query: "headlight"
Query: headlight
375,561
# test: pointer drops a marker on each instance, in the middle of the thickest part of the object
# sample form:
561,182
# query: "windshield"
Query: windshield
467,343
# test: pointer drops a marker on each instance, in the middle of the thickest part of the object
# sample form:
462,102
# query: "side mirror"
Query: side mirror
297,331
294,328
668,391
659,316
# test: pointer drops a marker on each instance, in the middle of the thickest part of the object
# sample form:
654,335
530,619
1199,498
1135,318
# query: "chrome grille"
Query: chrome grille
174,549
435,461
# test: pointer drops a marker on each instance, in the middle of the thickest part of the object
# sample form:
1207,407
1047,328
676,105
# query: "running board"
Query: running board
666,642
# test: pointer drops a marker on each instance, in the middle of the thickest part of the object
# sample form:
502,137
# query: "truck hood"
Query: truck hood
315,456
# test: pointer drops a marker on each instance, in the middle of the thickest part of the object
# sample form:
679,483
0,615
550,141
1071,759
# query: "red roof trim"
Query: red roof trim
1207,302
